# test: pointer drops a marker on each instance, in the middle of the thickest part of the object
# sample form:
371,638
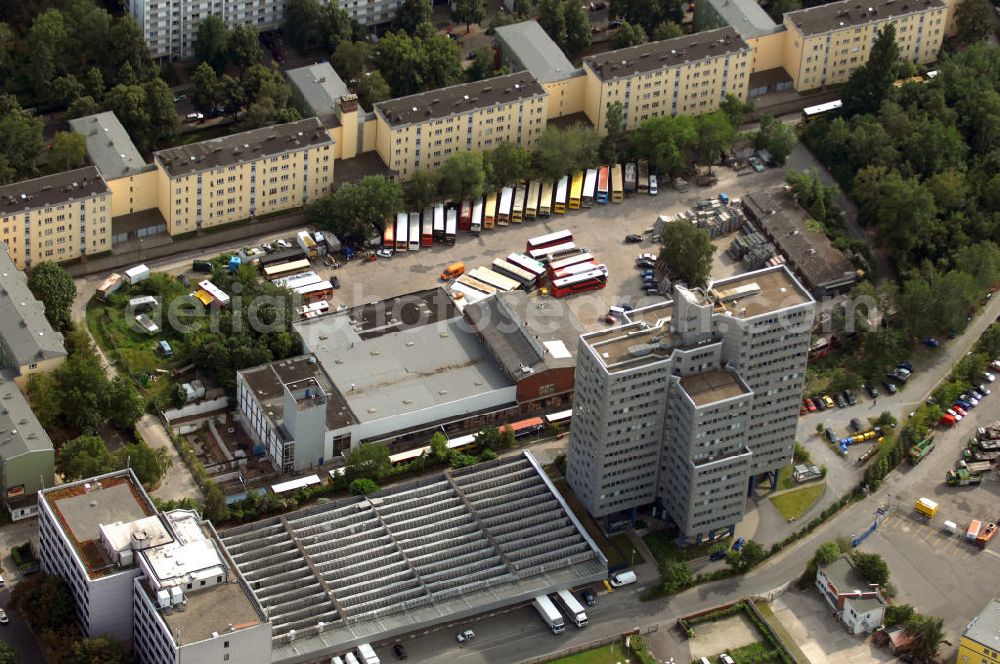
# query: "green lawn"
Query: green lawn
796,502
609,654
785,479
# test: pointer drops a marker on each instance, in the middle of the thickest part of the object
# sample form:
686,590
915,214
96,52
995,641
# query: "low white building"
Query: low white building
858,605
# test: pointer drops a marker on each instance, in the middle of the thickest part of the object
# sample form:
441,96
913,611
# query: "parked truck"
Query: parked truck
926,506
975,467
549,613
974,453
920,451
962,477
367,653
571,607
109,286
134,275
991,432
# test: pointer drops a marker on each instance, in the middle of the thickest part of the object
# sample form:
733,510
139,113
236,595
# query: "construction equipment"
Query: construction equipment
920,451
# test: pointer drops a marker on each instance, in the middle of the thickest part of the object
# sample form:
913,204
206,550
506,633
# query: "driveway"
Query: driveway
178,482
16,634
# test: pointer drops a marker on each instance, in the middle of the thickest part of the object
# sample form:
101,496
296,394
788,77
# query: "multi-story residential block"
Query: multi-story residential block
159,581
237,177
56,217
684,76
422,131
28,344
170,27
979,643
26,454
825,44
686,403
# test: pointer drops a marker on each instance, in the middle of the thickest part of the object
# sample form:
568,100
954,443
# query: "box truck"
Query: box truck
572,608
550,614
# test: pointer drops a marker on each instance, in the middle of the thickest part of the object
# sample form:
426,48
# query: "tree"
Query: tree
372,88
21,140
82,380
898,614
100,650
402,61
973,20
560,151
443,61
667,30
358,210
64,90
369,460
468,12
482,66
216,509
715,135
463,176
776,137
872,568
422,190
675,575
552,18
93,83
488,438
84,456
687,251
351,59
302,24
872,82
827,553
412,13
778,8
51,284
577,27
205,92
746,558
505,164
82,106
648,13
614,124
43,394
667,142
210,42
124,403
8,655
243,47
929,633
439,446
362,487
68,151
336,25
629,35
161,112
45,602
148,463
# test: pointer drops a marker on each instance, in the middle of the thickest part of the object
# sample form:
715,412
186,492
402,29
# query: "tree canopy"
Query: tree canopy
411,64
567,23
505,164
462,176
872,568
561,151
872,82
358,210
687,251
648,13
51,284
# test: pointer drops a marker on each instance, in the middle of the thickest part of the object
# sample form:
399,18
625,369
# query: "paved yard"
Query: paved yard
809,621
723,635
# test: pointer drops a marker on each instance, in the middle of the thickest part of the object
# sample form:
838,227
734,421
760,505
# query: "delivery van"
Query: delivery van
452,271
623,578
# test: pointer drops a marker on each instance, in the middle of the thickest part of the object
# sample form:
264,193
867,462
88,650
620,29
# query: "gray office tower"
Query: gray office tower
685,403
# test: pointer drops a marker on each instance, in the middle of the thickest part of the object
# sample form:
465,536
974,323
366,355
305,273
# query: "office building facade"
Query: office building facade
684,404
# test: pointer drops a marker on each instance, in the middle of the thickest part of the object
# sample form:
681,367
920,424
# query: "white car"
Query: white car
995,365
194,117
653,191
384,253
284,244
623,578
726,659
467,635
990,377
984,390
3,617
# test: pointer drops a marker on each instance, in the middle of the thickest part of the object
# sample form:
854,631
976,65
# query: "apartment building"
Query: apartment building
57,217
240,176
160,582
688,75
682,406
170,27
979,643
825,44
422,131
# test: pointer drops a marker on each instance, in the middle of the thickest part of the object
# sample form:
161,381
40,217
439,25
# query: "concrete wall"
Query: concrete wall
768,51
393,422
566,96
199,408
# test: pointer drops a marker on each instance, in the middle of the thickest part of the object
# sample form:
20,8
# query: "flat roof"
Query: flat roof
535,51
634,344
445,102
48,190
412,556
212,610
246,146
22,433
268,385
985,628
842,573
746,16
26,331
851,13
109,146
777,289
769,78
806,246
320,86
386,363
713,386
81,508
652,56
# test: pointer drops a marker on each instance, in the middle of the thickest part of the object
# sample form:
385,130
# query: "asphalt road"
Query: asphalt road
17,635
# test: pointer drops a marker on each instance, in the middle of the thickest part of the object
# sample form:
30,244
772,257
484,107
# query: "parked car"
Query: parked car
830,434
194,117
632,238
624,578
871,390
841,401
851,399
995,365
651,291
646,257
3,617
612,25
905,365
335,282
594,30
828,402
653,191
990,378
717,555
726,659
986,391
756,164
384,253
466,635
820,404
738,544
284,244
180,98
889,386
931,342
400,650
810,406
958,409
589,598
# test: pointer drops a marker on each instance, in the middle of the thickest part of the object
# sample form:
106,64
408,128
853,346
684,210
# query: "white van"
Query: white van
949,527
623,578
336,660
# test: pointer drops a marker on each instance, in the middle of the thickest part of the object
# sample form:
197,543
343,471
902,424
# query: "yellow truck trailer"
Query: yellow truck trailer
926,506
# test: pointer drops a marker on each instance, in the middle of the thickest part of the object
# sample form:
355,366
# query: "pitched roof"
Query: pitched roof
535,51
653,56
746,16
320,86
461,98
108,145
55,189
26,331
852,13
20,431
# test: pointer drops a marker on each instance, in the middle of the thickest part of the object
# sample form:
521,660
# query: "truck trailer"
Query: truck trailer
571,607
134,275
549,613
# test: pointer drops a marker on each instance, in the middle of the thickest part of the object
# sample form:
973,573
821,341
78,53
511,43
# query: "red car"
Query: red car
810,406
958,409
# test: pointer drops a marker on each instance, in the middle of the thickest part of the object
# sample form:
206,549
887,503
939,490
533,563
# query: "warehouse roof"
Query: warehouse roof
26,332
807,248
21,431
445,102
667,53
49,190
535,51
243,147
746,16
320,86
363,569
851,13
985,628
108,145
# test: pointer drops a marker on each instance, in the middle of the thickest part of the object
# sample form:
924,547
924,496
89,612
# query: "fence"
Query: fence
591,645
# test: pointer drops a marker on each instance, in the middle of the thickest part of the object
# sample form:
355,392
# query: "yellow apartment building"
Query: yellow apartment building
56,218
824,44
688,75
423,130
979,643
236,177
